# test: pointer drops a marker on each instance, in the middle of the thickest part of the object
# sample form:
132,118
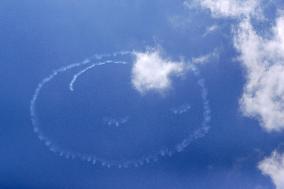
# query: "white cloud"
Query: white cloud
151,72
274,168
263,59
228,8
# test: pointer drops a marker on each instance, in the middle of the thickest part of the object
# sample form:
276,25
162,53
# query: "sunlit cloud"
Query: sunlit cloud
263,59
151,72
273,167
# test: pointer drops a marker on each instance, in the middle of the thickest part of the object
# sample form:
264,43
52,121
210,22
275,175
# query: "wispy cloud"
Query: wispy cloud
181,109
206,58
210,30
227,8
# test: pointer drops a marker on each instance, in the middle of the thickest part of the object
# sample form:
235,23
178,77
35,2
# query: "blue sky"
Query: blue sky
237,46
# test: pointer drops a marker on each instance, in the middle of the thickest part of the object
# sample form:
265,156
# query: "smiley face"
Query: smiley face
102,117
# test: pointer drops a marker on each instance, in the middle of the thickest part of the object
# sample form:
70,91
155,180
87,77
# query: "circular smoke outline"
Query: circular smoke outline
92,62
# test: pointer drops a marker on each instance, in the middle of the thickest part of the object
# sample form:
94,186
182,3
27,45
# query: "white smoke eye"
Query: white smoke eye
91,112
